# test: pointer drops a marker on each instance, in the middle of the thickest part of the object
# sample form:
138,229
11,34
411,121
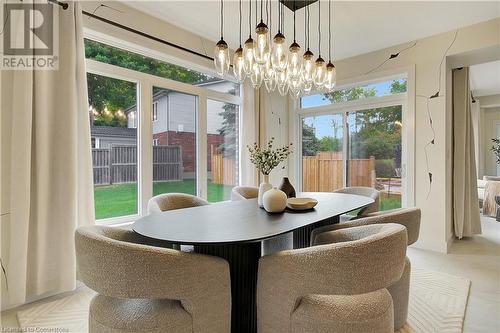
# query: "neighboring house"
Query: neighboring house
104,137
174,121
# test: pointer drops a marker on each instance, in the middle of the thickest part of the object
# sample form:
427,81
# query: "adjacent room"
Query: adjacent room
240,166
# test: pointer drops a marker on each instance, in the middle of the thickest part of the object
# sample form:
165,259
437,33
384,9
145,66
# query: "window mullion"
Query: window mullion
145,170
201,147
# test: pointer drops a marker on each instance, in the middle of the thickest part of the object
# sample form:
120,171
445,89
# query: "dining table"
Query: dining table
241,232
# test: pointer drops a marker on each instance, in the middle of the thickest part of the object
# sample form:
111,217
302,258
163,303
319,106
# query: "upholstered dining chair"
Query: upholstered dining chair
142,288
410,219
171,201
244,192
333,287
364,191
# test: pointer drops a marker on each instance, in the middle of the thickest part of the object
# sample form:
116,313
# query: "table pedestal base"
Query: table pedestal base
302,236
243,261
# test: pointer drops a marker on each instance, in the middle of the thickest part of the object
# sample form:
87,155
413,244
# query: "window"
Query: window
155,110
357,144
114,145
379,89
164,132
174,158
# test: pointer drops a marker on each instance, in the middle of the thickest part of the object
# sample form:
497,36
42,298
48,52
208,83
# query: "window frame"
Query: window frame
145,83
155,110
407,102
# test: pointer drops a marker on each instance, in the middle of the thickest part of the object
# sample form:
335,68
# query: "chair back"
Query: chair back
244,193
171,201
369,192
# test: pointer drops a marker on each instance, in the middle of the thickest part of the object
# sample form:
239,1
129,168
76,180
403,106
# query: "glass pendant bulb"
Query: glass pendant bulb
270,84
248,54
308,67
221,57
296,86
261,50
269,72
257,75
283,89
239,65
282,78
294,61
319,72
331,77
307,87
279,54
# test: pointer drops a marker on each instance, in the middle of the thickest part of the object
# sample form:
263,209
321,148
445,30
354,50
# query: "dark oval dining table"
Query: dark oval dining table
238,231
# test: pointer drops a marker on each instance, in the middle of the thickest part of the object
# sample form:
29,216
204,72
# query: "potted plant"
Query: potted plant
265,160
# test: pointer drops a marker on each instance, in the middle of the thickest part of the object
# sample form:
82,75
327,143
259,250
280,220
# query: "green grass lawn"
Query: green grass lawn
121,199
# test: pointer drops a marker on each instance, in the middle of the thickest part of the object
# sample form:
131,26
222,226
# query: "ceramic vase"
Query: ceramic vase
274,201
287,187
263,188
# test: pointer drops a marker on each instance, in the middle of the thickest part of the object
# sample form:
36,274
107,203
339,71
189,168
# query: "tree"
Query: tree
350,94
229,130
398,86
108,96
328,143
310,145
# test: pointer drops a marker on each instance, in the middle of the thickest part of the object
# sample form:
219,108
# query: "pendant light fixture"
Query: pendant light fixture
262,42
308,57
320,64
269,72
239,59
295,61
221,54
331,72
248,49
279,54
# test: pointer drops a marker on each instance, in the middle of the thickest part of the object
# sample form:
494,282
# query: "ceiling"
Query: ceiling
485,79
359,27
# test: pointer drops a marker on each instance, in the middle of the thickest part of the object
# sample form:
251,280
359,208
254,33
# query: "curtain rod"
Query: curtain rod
135,31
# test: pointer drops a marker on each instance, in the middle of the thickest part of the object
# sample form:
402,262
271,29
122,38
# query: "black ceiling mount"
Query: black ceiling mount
294,5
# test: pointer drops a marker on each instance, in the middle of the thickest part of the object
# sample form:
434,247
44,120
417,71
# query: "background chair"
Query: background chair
171,201
143,288
364,191
408,217
244,192
333,287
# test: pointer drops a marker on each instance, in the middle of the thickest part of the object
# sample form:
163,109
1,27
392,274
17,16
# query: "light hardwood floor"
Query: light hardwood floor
476,258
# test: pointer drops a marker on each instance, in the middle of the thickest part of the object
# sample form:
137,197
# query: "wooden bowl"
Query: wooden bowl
301,203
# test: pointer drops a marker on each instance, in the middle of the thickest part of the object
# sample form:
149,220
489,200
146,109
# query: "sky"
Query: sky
323,124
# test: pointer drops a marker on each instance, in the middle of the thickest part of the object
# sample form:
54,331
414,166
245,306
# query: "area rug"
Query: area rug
437,304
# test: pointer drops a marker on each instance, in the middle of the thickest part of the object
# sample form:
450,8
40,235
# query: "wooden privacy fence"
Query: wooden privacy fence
118,164
324,172
223,169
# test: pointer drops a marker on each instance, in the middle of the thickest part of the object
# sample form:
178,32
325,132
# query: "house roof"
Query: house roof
111,131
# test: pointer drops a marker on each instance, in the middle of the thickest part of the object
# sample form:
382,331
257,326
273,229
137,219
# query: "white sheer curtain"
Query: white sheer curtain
465,198
50,169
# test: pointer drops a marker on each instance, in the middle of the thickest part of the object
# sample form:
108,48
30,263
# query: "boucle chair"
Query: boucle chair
364,191
408,217
171,201
244,192
143,288
333,287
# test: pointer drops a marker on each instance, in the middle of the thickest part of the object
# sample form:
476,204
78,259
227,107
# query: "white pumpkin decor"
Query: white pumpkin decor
274,200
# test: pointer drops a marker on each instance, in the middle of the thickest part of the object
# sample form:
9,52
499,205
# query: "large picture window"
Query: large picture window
353,137
158,128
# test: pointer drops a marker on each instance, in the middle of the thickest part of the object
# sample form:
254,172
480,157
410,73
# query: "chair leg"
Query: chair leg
400,292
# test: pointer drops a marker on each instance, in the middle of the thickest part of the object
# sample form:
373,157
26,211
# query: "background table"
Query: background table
235,230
